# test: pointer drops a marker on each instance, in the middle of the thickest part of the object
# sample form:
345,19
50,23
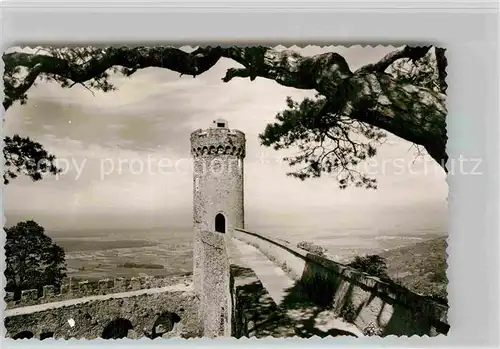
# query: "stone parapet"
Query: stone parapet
71,290
375,306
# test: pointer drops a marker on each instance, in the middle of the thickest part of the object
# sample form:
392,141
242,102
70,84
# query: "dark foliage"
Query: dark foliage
25,156
312,248
326,142
133,265
329,140
372,265
33,260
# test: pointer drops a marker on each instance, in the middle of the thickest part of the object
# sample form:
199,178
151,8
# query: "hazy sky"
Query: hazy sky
151,115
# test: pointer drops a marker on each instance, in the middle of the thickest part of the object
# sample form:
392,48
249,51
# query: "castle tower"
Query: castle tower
218,154
218,178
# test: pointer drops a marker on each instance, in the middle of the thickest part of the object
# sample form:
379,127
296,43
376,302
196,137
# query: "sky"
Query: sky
101,140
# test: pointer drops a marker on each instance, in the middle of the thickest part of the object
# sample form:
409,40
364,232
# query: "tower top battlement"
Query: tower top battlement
218,139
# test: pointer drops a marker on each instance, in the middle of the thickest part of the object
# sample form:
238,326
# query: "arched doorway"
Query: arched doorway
220,223
117,329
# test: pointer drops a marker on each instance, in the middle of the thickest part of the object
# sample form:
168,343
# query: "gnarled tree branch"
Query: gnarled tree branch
131,58
412,53
370,95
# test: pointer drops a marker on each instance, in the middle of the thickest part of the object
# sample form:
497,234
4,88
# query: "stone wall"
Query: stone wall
214,278
71,290
254,312
376,307
171,313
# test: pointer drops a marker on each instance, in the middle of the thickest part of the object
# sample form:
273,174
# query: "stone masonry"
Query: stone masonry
218,208
72,290
173,312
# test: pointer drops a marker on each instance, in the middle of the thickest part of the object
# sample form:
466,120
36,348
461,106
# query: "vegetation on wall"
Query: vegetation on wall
371,264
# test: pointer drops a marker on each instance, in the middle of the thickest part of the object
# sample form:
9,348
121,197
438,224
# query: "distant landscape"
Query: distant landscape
416,262
97,254
420,267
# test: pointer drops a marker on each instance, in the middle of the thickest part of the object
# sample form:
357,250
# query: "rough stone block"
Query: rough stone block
119,284
146,281
49,291
29,295
135,284
65,288
105,284
163,283
154,282
92,317
215,300
9,297
74,286
84,287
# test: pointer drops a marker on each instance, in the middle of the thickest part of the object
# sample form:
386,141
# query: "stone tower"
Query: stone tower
218,178
218,154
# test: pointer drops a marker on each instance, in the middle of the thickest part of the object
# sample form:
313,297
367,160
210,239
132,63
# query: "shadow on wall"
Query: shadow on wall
374,306
321,305
261,317
376,310
296,315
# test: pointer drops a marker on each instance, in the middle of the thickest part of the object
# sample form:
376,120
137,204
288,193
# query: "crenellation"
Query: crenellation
220,149
87,287
105,284
145,281
29,296
48,291
74,287
218,141
135,284
84,288
9,297
65,289
120,283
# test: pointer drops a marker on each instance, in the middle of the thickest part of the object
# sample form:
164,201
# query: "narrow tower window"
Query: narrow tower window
197,184
220,223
